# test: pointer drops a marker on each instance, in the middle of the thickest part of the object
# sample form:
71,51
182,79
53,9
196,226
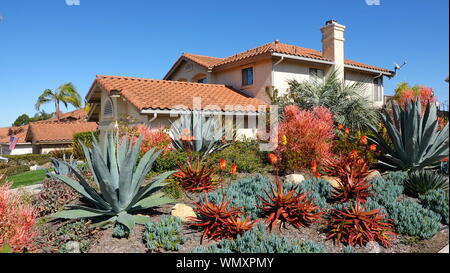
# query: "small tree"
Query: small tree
65,93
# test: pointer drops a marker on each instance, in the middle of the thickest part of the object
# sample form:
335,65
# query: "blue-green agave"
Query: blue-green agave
417,143
206,133
61,167
119,177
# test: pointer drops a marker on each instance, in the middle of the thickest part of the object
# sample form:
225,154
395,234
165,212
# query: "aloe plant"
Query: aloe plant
193,132
119,176
61,167
417,143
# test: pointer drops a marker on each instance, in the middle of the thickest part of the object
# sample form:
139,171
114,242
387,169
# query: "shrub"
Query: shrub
420,182
61,153
386,191
85,138
28,159
245,154
151,138
357,225
53,197
437,201
257,240
288,207
197,177
14,170
412,219
16,221
219,221
168,161
173,189
164,234
243,193
304,136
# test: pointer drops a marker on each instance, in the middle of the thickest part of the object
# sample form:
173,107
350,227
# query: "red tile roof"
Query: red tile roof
58,131
16,131
272,47
161,94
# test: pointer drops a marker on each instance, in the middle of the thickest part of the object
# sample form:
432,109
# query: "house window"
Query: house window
247,76
378,89
202,80
315,73
108,108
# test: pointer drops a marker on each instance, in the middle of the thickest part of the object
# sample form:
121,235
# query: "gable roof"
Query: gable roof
161,94
269,48
16,131
58,131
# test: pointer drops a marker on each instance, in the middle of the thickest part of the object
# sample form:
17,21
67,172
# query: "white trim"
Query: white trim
205,112
301,58
367,69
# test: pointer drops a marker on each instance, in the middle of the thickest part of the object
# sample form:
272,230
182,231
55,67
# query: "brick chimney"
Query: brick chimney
333,45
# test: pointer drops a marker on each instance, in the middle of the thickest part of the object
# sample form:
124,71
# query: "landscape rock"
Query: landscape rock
334,181
373,247
183,212
36,168
294,179
73,247
373,175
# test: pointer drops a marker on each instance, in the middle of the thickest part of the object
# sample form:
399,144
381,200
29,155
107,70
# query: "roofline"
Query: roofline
205,112
174,66
301,58
389,74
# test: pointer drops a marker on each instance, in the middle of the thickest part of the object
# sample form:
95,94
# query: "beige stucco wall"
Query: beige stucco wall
189,74
262,78
367,79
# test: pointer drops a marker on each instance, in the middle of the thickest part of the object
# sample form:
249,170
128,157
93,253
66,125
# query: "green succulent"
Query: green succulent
61,167
118,176
206,133
416,141
164,234
420,182
437,201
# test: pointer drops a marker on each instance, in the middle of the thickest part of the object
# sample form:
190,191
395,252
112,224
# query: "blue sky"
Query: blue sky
45,43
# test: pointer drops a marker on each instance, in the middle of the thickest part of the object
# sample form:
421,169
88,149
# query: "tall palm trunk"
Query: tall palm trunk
57,110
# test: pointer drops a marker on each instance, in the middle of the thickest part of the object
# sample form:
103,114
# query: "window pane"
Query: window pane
247,76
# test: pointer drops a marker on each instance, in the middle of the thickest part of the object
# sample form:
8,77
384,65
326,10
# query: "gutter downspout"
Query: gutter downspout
155,115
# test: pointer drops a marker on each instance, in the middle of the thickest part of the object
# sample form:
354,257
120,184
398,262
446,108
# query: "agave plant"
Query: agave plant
422,181
61,167
417,143
119,177
193,132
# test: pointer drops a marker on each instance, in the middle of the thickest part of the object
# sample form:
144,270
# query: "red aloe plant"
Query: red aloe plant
352,170
219,221
355,225
198,177
291,207
16,221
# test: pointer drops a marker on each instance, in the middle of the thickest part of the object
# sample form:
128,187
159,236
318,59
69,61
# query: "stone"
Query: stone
294,179
334,181
373,247
73,247
35,168
372,175
183,212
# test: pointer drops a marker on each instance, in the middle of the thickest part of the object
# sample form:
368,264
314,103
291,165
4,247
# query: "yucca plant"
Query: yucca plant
422,181
119,177
416,141
194,133
289,206
61,167
196,176
355,225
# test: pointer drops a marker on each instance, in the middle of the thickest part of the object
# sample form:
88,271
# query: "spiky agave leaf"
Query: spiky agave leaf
119,177
417,143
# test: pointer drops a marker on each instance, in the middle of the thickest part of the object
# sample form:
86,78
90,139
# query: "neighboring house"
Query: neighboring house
48,136
43,136
247,79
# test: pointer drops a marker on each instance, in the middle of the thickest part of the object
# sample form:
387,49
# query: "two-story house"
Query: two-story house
237,85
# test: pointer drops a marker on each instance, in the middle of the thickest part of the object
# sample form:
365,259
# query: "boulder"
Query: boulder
183,212
373,175
73,247
334,181
294,179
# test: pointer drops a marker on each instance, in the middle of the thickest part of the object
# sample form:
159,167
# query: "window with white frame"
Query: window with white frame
315,74
108,108
378,89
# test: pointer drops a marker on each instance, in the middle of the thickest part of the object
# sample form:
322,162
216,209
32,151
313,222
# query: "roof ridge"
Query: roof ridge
198,55
157,80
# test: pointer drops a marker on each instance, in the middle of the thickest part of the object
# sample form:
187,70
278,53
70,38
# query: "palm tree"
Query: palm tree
65,93
346,102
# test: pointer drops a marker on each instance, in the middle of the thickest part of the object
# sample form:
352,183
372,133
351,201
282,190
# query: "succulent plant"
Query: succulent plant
119,177
197,176
193,132
416,141
437,201
420,182
164,234
61,167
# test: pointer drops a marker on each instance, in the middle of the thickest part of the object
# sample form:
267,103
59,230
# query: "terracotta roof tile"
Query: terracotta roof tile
58,131
162,94
16,131
275,47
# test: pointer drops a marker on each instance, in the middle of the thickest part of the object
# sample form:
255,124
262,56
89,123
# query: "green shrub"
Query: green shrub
246,155
86,139
14,170
420,182
28,159
168,161
437,201
243,193
387,191
61,153
164,234
256,240
412,219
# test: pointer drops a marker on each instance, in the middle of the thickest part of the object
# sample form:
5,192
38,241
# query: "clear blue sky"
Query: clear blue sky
44,43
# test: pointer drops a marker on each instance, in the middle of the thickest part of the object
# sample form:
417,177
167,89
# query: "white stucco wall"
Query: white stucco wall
368,80
20,149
